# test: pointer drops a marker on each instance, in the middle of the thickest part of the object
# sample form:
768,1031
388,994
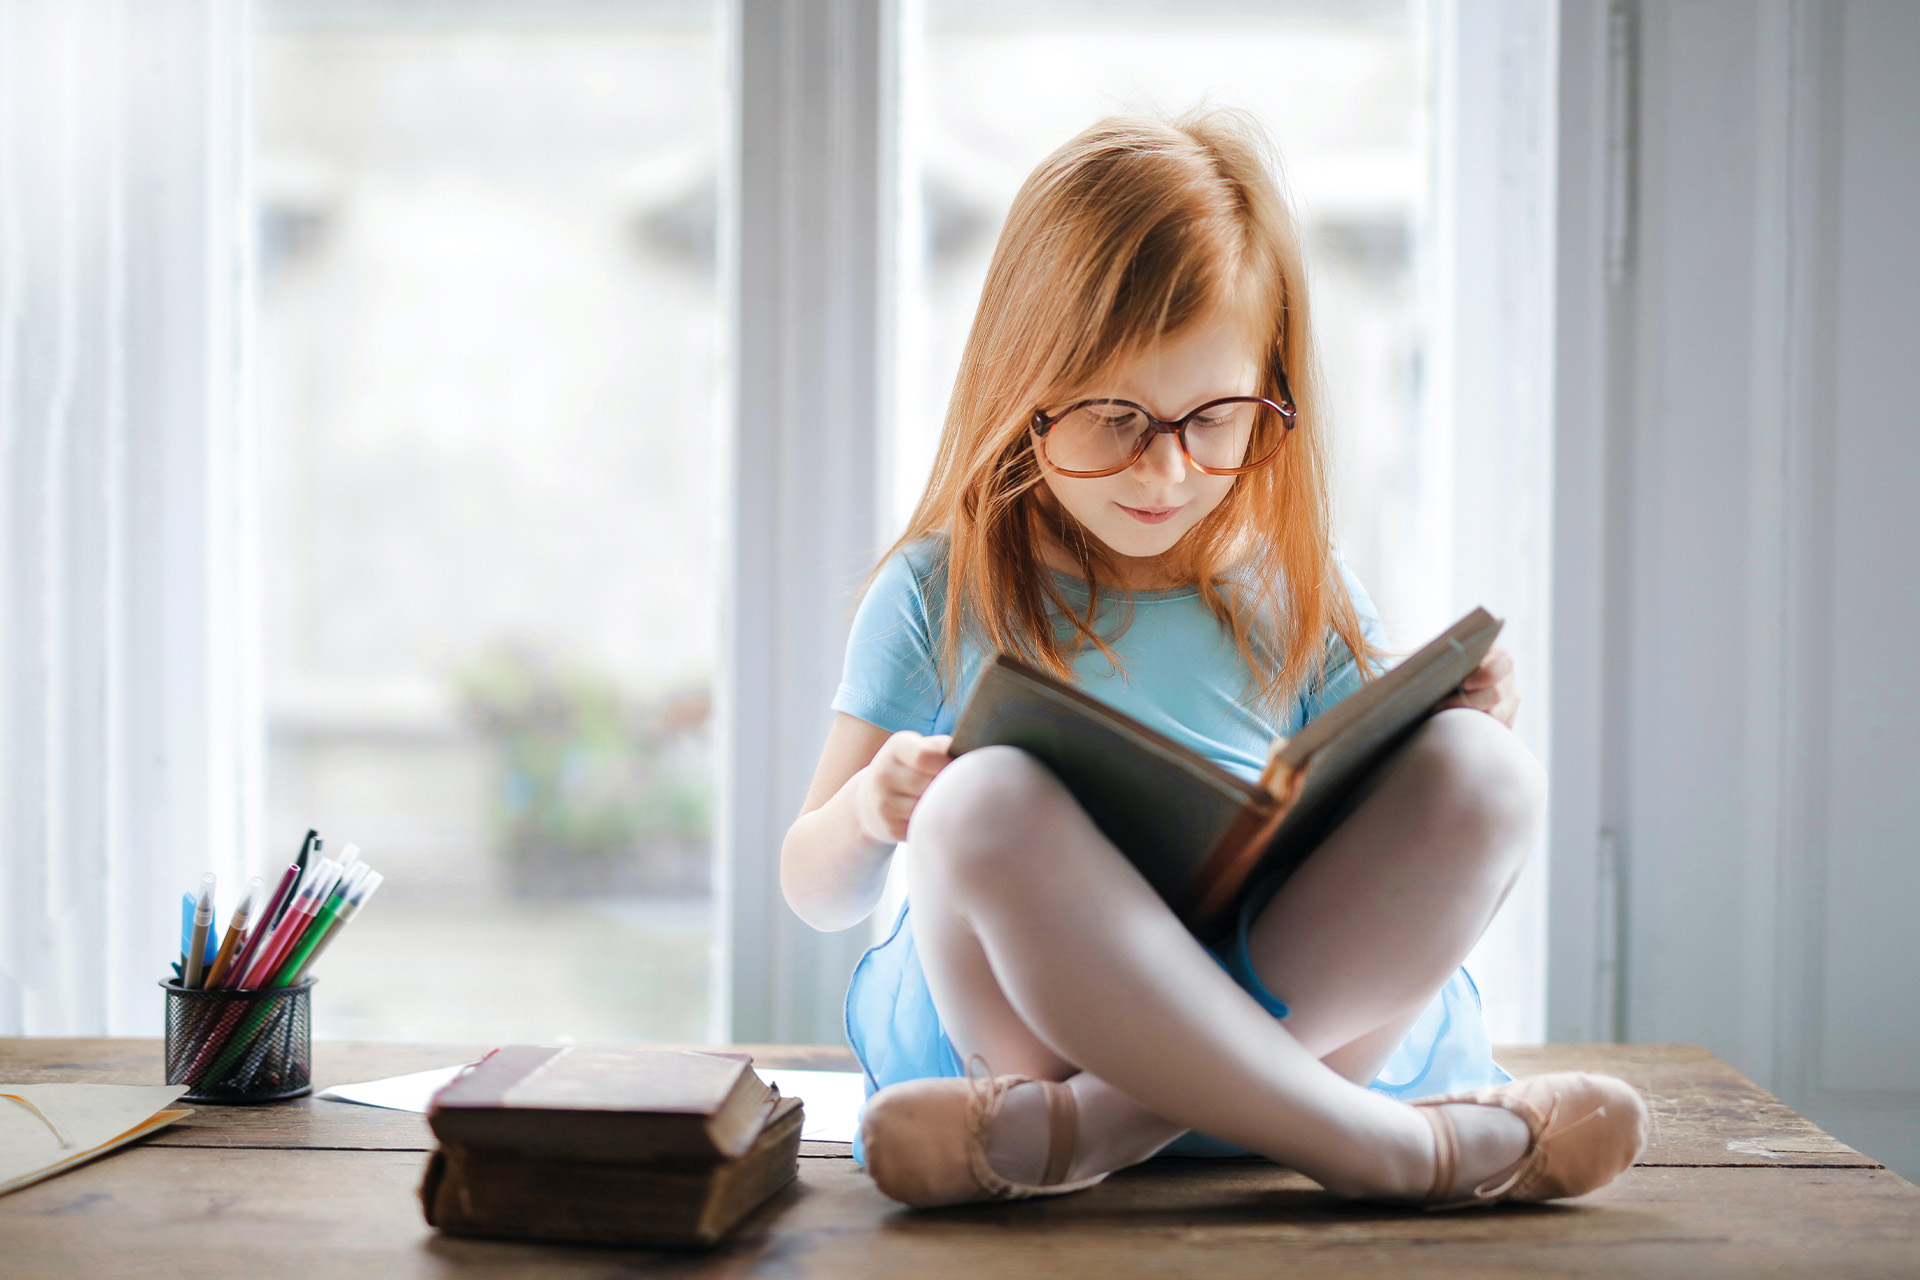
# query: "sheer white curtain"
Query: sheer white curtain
125,752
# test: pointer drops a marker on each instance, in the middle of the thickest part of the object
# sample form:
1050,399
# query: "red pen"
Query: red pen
293,924
263,926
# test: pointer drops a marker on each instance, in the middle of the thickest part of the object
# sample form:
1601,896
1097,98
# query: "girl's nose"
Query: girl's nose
1162,463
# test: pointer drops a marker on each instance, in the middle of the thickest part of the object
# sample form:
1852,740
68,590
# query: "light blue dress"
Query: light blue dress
1183,677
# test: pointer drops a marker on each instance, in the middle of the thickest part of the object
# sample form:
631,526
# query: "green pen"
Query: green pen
310,938
361,893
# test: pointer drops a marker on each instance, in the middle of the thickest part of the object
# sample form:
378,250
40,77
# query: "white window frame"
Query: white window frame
1489,407
807,225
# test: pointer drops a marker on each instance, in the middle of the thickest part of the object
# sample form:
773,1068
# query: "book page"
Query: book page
45,1128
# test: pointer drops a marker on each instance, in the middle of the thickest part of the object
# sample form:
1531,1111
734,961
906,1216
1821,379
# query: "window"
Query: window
487,344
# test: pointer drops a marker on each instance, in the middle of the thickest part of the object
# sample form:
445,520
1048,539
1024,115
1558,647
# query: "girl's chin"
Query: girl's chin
1140,542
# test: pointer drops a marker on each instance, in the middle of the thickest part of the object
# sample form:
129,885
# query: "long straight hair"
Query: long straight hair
1130,235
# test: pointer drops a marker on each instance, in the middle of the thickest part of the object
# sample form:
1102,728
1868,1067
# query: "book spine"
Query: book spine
1224,873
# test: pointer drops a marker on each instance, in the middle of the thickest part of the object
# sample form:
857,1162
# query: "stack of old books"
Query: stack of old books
614,1145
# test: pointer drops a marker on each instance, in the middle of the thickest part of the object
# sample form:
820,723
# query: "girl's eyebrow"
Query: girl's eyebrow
1197,404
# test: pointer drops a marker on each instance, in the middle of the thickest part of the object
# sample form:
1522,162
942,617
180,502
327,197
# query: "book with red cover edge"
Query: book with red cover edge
611,1104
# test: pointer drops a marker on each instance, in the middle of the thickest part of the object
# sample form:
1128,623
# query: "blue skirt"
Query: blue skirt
896,1034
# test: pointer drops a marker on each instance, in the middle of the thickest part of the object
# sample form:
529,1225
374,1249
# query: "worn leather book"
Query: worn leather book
473,1191
1200,835
619,1104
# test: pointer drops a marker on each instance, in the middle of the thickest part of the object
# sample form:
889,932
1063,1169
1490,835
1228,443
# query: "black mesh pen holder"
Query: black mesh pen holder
240,1046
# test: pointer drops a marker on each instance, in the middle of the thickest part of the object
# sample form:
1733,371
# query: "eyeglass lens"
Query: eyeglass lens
1097,437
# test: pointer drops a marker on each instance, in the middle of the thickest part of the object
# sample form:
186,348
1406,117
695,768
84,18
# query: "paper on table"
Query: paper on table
832,1098
397,1093
90,1119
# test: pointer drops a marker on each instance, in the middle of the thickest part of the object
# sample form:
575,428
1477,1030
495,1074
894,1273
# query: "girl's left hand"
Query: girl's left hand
1490,688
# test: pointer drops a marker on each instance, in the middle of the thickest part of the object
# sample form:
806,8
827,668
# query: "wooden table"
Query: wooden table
1734,1184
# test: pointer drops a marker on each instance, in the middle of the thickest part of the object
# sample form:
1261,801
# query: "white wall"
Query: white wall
1735,522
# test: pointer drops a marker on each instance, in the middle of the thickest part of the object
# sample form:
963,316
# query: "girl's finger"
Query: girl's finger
930,754
1495,667
900,777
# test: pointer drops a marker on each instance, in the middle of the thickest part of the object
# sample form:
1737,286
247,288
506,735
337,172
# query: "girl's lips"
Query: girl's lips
1148,515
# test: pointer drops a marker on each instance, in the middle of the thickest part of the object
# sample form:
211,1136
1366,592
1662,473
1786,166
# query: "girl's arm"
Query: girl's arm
833,863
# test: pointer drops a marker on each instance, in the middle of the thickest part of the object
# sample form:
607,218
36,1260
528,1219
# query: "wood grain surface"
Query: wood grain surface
1734,1185
311,1123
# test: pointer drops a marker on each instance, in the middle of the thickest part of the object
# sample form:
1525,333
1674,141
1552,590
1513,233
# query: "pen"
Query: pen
236,929
186,932
226,1043
323,920
262,926
202,921
341,920
292,923
309,845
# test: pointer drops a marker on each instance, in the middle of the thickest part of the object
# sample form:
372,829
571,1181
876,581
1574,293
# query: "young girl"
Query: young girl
1131,492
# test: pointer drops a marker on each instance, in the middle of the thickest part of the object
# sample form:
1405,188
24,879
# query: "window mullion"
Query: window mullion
805,229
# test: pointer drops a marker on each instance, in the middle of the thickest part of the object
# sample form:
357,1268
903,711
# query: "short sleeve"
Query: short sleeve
891,677
1342,674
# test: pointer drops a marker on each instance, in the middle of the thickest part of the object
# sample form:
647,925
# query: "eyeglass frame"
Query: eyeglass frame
1042,423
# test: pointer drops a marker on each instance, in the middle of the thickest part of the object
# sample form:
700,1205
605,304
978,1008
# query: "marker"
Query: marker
272,934
262,926
186,934
323,921
202,921
310,845
293,922
236,930
345,918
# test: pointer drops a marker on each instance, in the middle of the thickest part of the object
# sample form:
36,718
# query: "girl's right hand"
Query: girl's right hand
886,791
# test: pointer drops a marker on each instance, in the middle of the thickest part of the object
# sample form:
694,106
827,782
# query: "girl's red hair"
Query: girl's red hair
1131,234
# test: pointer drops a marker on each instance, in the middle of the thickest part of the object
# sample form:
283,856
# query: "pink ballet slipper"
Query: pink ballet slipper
926,1140
1584,1131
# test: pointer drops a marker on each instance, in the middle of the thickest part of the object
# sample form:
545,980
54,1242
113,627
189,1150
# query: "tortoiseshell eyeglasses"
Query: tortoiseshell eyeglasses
1226,437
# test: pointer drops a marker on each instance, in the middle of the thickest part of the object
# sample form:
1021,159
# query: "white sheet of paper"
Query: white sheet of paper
832,1098
92,1119
396,1093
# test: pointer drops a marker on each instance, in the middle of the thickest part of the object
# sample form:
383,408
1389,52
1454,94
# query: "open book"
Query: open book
1200,835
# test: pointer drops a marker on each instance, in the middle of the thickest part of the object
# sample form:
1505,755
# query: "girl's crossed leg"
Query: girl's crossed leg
1049,955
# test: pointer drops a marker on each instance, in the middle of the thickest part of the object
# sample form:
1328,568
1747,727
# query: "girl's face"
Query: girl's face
1142,512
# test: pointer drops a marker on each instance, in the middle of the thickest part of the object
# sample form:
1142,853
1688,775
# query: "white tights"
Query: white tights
1049,955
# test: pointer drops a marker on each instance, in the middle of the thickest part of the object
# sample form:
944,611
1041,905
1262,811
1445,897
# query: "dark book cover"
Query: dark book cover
476,1191
615,1104
1201,835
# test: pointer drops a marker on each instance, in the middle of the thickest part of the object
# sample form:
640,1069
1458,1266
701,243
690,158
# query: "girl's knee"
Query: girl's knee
982,808
1482,780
